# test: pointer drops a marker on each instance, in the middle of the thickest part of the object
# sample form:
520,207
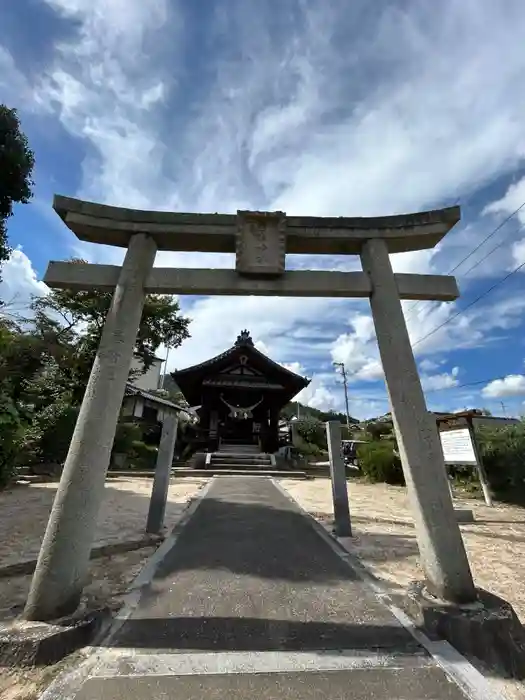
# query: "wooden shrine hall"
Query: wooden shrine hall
240,394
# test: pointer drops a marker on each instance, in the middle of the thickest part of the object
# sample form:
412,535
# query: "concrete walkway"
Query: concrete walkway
252,602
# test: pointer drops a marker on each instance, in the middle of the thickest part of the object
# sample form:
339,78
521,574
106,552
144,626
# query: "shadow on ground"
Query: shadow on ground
217,634
265,541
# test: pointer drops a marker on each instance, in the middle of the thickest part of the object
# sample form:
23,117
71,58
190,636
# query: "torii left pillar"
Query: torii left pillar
63,562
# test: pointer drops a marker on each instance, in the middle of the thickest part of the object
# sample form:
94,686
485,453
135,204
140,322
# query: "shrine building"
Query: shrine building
239,395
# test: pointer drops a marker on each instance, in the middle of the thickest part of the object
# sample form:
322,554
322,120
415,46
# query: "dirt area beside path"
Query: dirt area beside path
384,539
384,536
24,511
109,580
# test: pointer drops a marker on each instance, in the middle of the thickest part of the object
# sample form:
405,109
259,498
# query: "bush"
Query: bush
377,430
312,431
308,449
58,426
126,435
503,455
378,463
143,456
47,439
11,432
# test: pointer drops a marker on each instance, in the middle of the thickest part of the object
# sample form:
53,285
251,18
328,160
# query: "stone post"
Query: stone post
342,524
482,473
441,547
161,480
63,562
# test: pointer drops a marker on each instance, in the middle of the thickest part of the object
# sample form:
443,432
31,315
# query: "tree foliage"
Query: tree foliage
291,409
379,462
71,324
16,167
311,431
45,363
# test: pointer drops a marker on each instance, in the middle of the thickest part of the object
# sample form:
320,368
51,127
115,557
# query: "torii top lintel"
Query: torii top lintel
217,233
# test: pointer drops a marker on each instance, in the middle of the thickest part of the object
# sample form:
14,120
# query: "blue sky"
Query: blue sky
314,107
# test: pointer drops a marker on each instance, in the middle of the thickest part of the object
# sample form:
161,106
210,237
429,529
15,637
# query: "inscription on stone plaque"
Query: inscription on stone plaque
261,243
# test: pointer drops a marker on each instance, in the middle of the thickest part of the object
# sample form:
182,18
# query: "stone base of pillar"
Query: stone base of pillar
464,515
488,630
29,644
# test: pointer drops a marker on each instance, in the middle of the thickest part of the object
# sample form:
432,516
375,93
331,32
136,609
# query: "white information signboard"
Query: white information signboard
457,446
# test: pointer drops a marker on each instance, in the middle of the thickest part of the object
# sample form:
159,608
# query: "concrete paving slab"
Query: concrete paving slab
428,683
252,602
249,572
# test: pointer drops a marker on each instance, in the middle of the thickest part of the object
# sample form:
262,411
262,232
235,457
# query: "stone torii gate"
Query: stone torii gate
261,241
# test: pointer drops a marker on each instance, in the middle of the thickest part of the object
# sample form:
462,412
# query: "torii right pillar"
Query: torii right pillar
441,547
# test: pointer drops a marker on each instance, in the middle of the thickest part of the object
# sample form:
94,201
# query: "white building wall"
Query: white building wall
149,380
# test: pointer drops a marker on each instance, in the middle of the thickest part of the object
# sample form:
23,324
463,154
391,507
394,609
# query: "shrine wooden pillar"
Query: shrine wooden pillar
273,431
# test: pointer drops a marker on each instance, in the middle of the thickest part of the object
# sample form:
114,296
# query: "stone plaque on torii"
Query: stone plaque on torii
260,241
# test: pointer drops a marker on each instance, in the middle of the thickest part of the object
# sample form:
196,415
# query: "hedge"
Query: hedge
379,463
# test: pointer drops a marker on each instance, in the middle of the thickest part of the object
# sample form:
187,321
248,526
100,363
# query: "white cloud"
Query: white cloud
518,252
296,141
106,86
14,86
216,322
428,365
512,200
317,395
19,283
512,385
445,380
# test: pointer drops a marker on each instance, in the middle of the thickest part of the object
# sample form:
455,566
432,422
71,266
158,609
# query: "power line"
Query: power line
463,386
492,250
474,250
490,235
468,306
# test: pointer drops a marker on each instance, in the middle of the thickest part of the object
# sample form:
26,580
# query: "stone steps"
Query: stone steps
239,461
228,456
239,448
276,473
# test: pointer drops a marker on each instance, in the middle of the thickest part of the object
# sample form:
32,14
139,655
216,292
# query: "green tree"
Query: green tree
312,431
20,361
71,324
16,167
376,430
309,412
45,363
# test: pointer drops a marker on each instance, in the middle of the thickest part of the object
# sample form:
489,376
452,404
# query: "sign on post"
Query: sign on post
457,446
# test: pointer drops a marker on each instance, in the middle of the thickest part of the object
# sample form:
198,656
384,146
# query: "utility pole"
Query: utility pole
163,374
504,409
341,365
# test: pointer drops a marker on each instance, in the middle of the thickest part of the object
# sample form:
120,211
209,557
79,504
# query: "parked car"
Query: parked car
349,448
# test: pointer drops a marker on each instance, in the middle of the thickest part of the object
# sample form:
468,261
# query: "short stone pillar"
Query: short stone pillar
342,524
441,547
161,480
62,567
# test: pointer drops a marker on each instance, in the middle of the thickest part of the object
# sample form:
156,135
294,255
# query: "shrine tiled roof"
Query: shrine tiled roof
245,342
